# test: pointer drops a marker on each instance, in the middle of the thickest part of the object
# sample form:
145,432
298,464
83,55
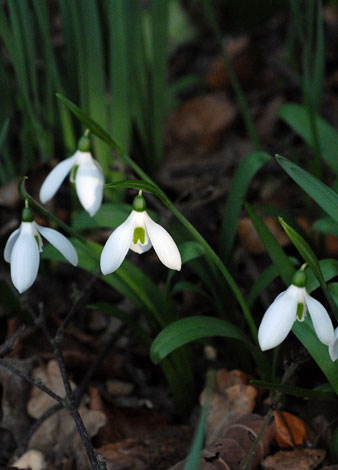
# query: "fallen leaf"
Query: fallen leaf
199,124
231,450
232,398
57,436
300,459
126,454
244,62
32,459
39,401
251,240
290,430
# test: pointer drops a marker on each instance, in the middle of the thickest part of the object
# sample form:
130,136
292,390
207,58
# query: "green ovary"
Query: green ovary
300,310
139,235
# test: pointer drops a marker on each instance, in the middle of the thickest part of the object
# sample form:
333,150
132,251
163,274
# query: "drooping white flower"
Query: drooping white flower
23,249
333,347
86,173
289,306
139,233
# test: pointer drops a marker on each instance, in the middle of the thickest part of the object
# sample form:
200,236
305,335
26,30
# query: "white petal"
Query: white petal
117,246
333,347
61,243
55,178
139,248
278,319
321,320
163,244
89,182
10,243
25,258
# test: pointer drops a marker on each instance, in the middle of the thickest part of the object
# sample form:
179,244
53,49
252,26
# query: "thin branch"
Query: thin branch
36,383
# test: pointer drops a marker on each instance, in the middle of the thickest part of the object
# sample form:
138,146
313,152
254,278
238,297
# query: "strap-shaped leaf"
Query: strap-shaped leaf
296,391
304,249
324,196
195,328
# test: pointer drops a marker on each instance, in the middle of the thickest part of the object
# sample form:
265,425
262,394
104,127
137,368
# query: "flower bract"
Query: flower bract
289,306
139,233
87,175
23,249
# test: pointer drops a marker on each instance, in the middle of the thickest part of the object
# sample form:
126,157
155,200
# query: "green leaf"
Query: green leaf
276,253
304,249
95,128
298,118
136,184
324,196
329,269
108,216
242,178
191,250
296,391
326,225
195,328
194,457
320,353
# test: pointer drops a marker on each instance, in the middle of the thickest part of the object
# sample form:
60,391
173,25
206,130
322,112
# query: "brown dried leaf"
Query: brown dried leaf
231,451
39,401
199,124
244,61
232,398
126,454
33,459
250,238
57,435
300,459
290,430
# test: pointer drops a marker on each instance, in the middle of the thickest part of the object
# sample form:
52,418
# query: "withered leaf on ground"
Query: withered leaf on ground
33,459
57,436
231,451
232,398
300,459
127,454
290,430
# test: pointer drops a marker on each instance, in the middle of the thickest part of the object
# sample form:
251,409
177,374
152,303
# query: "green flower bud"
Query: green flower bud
27,215
84,144
139,203
299,279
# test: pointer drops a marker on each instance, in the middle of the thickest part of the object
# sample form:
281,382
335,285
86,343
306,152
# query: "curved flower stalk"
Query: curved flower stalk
289,306
86,173
23,249
139,233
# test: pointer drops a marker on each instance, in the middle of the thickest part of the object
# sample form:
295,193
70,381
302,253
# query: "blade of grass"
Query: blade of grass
244,173
194,458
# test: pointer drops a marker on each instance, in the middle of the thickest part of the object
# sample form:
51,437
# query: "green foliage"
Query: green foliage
112,62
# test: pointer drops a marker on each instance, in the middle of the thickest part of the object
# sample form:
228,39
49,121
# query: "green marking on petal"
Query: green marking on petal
73,173
37,240
300,310
139,234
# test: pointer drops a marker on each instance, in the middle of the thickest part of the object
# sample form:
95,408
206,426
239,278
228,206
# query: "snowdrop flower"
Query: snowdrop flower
139,233
333,347
23,249
289,306
86,173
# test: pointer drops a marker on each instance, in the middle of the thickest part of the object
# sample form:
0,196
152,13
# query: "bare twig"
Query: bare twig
289,371
8,345
36,383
